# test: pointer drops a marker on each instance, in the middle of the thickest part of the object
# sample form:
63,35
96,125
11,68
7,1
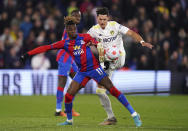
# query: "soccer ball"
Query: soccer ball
112,53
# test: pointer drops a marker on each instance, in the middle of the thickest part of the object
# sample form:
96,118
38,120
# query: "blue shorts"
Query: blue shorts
83,77
64,68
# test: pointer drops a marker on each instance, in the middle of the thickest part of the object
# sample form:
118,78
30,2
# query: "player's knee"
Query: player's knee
115,92
109,85
62,80
68,98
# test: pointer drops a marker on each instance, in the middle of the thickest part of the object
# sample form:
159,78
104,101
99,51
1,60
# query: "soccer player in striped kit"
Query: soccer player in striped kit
88,68
66,67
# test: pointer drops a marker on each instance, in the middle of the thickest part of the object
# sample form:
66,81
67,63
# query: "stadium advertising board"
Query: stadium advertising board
34,82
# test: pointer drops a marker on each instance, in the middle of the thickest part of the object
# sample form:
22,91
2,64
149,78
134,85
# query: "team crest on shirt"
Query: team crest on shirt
99,39
82,42
112,32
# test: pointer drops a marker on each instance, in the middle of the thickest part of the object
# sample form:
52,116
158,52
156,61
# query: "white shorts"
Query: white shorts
114,65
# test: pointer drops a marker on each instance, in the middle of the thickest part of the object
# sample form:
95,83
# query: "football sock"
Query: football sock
115,92
125,102
59,98
68,105
105,101
68,108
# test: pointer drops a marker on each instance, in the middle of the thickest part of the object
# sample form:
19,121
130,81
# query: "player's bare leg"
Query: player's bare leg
101,92
107,83
106,103
71,92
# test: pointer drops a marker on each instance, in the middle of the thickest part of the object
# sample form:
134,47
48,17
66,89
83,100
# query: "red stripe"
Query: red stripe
71,71
84,81
60,88
60,54
115,92
66,56
68,98
83,59
95,62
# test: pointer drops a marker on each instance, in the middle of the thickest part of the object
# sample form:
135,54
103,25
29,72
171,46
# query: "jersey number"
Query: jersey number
99,71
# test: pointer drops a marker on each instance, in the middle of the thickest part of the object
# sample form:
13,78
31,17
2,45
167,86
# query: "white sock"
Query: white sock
70,120
134,114
105,101
58,110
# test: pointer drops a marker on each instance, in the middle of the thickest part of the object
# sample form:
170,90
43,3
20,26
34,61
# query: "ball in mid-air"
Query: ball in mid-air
112,52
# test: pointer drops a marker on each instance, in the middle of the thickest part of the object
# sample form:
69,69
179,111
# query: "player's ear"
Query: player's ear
109,17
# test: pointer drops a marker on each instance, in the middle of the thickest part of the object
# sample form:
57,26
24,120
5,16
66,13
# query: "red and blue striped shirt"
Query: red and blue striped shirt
77,48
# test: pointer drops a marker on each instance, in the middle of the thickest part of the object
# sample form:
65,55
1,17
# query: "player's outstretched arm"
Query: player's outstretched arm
41,49
139,39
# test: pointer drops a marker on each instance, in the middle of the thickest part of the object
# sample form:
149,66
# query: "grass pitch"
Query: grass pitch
36,113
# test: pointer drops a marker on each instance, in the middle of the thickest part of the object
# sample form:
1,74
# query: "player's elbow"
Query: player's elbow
130,33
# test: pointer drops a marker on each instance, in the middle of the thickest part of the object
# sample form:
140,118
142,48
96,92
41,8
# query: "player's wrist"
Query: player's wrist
142,41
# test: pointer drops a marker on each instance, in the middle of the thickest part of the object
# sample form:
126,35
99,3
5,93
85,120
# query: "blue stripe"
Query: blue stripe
65,36
78,57
89,59
62,57
66,45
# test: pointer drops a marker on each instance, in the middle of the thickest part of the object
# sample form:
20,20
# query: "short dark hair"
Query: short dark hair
102,11
75,11
69,20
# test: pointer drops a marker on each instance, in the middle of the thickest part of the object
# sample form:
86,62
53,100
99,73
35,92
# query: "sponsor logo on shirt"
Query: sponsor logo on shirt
78,50
110,39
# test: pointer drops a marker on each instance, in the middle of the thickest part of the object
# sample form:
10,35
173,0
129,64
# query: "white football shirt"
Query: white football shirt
111,35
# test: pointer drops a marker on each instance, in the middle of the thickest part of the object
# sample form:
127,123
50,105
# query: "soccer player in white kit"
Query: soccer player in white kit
110,33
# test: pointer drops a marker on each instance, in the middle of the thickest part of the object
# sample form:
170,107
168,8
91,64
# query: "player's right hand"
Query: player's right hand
24,57
147,45
101,52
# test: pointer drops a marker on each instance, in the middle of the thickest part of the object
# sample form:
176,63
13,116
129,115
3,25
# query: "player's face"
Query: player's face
102,20
77,15
71,30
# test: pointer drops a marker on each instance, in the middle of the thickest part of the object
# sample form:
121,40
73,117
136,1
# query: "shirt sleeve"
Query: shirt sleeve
58,45
91,39
41,49
122,29
91,32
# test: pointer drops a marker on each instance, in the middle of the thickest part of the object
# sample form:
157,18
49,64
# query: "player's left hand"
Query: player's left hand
24,57
147,45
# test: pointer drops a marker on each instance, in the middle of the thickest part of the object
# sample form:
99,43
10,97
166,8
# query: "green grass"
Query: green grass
36,113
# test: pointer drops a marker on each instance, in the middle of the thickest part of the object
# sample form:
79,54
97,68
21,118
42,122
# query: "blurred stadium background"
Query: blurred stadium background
26,24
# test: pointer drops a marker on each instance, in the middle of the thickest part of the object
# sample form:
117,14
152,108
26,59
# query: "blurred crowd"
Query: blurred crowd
26,24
